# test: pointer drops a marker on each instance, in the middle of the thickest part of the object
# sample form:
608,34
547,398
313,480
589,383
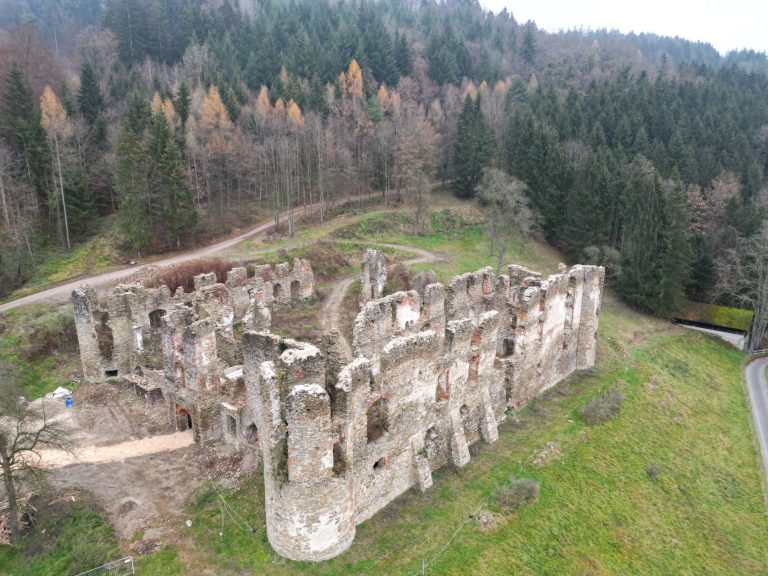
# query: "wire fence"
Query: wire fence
227,510
121,567
426,563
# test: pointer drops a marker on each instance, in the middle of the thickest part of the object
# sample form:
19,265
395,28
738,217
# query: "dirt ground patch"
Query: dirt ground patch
142,493
127,455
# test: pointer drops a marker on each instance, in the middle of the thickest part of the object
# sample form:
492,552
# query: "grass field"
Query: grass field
41,344
718,315
668,486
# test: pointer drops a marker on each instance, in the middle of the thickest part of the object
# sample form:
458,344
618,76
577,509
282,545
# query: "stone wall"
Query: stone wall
183,347
432,374
124,331
374,276
435,369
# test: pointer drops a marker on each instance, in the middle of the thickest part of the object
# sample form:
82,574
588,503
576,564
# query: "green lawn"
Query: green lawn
719,315
599,511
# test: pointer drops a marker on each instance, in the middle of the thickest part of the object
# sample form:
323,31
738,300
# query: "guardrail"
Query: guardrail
121,567
758,352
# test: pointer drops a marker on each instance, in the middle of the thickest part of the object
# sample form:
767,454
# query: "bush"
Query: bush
328,262
399,279
183,274
602,407
653,470
516,493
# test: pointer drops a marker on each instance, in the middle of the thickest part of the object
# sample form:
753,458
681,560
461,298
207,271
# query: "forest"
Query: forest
178,121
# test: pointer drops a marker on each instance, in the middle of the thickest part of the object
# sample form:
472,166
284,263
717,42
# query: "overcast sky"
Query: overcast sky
726,24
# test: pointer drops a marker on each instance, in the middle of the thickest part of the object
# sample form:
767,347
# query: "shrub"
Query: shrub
182,275
328,262
516,493
48,336
602,407
399,279
653,470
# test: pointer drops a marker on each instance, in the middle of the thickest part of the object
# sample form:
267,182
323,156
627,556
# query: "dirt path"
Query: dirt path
116,452
331,311
62,292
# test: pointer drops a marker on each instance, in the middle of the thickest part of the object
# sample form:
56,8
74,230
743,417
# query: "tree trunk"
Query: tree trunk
61,187
756,334
501,259
10,490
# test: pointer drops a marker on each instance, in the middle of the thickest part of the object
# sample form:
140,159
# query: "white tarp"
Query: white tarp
60,392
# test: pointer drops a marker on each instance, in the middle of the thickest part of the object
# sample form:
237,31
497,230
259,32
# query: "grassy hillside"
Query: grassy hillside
667,486
41,343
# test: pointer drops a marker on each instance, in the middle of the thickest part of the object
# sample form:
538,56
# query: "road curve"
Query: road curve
757,388
62,292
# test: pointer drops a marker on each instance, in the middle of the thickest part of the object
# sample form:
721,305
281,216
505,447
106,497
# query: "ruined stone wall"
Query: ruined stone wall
183,347
124,332
432,374
373,277
434,370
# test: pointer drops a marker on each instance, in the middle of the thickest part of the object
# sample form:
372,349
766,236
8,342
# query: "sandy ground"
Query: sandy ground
116,452
147,492
125,453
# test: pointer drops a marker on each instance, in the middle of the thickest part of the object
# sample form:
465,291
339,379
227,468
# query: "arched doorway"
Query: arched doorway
183,419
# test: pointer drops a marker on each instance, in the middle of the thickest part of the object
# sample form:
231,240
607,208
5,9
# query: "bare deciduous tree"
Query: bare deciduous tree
509,212
24,430
743,275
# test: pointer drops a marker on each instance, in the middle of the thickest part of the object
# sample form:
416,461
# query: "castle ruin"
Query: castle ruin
434,370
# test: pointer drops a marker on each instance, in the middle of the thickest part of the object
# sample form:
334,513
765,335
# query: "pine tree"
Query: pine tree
130,184
654,251
81,208
403,55
89,95
170,182
529,49
472,148
182,104
137,113
26,135
380,53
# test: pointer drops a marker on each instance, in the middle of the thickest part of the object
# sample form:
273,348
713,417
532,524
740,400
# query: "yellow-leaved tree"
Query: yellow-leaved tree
294,114
352,82
164,107
383,96
263,107
213,113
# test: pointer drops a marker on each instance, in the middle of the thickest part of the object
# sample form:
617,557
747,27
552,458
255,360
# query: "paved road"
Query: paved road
757,387
735,339
63,292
